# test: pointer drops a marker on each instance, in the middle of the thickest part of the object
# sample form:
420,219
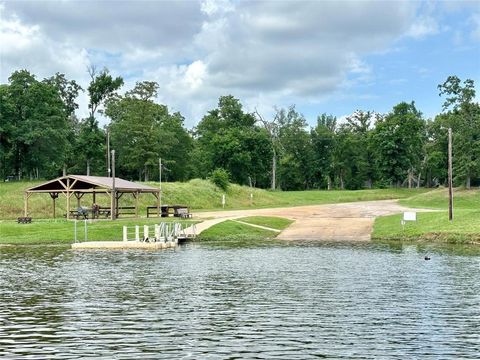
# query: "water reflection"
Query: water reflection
203,301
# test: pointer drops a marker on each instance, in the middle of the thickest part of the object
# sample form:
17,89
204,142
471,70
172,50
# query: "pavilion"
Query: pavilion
79,185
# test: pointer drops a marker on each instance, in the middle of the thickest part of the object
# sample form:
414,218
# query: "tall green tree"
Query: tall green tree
227,138
436,147
89,148
143,131
323,142
296,170
102,88
462,114
398,141
34,127
362,159
68,91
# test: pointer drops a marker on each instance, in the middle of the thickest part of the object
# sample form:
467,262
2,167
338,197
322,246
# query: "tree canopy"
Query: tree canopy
41,136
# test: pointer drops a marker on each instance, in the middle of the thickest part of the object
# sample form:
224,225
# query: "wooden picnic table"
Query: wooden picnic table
167,210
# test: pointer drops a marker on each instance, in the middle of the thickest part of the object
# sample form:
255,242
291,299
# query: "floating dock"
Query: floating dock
121,245
164,236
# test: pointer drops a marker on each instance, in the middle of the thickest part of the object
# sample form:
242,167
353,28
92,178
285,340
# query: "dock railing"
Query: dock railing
163,232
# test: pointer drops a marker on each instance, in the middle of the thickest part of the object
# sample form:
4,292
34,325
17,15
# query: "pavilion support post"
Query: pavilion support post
157,195
54,197
26,196
117,203
112,206
136,195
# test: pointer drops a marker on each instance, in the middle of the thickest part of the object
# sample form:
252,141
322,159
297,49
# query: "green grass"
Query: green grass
435,226
267,221
62,231
197,194
431,226
234,233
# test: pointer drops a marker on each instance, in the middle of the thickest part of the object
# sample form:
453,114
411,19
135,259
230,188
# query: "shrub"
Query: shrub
220,177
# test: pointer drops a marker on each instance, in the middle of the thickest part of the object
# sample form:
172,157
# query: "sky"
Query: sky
329,57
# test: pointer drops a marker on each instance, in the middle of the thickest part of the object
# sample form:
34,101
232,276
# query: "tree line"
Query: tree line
41,137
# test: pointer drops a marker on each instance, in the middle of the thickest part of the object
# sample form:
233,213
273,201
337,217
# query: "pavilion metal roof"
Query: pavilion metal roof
91,183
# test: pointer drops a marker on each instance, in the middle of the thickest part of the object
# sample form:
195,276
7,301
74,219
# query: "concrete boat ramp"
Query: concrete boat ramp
330,222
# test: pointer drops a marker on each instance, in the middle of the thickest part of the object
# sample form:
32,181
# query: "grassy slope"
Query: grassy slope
197,194
438,199
435,225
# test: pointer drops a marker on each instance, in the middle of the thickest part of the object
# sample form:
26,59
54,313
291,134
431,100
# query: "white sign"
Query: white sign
410,216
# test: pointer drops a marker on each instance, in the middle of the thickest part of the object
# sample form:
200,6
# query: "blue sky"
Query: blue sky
324,56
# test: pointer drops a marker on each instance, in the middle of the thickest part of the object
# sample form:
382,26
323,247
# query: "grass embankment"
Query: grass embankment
197,194
62,231
435,226
236,233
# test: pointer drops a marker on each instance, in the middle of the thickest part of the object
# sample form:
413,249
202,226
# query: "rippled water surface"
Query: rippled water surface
198,301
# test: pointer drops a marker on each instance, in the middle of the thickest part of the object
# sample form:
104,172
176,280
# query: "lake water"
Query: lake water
220,302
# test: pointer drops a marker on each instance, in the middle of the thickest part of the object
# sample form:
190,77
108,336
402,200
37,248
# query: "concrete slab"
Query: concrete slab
120,245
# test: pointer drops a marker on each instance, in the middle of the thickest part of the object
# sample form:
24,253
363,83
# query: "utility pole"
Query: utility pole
113,205
160,185
450,181
108,153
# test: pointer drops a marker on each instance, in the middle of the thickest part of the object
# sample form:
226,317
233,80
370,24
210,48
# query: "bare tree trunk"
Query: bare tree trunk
342,187
467,184
64,169
329,183
419,179
146,173
88,167
409,178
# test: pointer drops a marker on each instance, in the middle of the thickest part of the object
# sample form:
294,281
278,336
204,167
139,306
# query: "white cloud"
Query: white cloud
215,7
264,52
422,27
475,22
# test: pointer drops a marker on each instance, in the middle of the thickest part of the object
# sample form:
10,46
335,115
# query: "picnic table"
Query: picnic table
167,210
78,214
86,212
